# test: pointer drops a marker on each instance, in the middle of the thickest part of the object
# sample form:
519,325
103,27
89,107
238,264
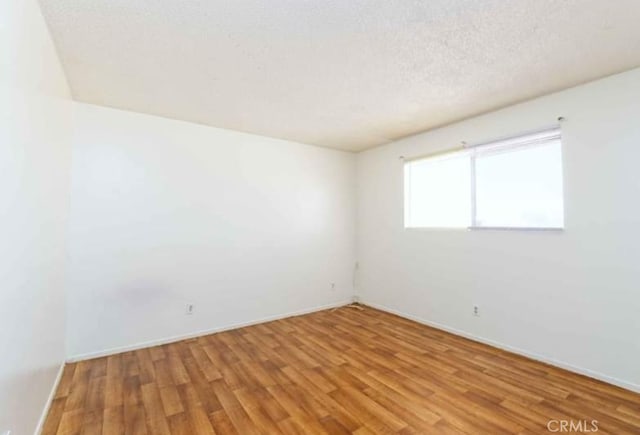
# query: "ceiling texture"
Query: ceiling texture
346,74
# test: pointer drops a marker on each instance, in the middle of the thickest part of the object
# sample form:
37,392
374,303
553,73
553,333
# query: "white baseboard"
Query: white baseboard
580,370
173,339
47,405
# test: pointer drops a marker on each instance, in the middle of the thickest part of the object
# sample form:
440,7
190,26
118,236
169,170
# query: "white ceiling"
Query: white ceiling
348,74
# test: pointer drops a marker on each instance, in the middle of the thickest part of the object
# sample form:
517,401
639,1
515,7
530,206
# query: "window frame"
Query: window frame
548,134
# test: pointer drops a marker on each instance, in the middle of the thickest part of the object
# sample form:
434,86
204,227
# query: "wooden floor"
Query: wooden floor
341,371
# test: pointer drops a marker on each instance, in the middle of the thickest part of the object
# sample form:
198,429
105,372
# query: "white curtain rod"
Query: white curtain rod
464,145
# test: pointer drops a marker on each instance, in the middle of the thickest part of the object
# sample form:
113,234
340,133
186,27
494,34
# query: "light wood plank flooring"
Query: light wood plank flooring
336,371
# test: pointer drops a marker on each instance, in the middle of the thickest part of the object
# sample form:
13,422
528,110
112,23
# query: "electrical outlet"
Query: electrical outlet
333,286
189,309
476,311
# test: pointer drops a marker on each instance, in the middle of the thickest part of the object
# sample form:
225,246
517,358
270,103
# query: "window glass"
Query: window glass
438,192
520,187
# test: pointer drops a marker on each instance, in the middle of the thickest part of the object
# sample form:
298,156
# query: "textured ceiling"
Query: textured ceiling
346,74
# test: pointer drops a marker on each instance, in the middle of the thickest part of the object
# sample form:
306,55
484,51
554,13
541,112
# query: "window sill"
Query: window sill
525,229
546,229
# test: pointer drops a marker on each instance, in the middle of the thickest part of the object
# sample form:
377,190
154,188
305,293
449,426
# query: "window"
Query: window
437,191
511,183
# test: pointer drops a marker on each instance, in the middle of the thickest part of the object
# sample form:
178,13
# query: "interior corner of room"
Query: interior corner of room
143,226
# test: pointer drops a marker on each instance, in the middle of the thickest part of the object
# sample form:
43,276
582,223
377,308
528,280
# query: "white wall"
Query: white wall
166,213
35,129
572,297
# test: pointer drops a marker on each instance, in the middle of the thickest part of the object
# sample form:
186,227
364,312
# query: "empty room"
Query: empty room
319,217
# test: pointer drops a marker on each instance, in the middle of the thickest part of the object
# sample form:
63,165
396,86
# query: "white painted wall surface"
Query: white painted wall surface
572,297
166,213
35,132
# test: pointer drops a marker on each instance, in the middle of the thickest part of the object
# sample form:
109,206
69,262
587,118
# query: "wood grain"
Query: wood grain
332,372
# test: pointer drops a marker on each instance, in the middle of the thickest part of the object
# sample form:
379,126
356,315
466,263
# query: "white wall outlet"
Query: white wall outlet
189,309
476,311
333,286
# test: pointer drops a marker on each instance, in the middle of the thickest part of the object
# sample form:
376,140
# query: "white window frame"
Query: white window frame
521,140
